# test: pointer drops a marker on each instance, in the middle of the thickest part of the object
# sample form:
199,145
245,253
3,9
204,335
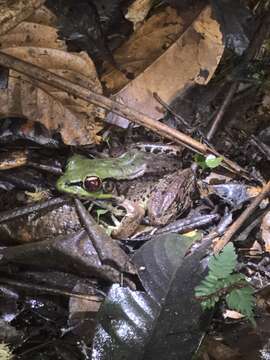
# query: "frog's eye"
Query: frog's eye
92,183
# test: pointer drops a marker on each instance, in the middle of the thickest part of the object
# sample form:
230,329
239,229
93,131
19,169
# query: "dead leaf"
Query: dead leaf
219,351
191,57
232,314
43,16
143,47
255,249
83,312
38,43
265,230
14,12
138,11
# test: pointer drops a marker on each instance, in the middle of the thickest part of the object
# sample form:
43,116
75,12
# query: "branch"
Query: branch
38,74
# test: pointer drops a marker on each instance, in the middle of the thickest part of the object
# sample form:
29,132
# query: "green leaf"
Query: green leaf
209,303
220,280
243,301
223,264
200,160
212,161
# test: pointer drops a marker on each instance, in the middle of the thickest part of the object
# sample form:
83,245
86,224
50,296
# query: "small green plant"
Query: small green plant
210,161
222,282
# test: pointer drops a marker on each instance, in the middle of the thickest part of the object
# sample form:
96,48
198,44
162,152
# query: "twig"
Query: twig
220,114
180,118
108,250
170,110
242,218
263,148
49,290
25,210
38,74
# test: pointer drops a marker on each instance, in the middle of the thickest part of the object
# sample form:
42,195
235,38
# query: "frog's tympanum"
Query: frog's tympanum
156,182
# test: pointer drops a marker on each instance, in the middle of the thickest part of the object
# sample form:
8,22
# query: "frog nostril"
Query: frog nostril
92,183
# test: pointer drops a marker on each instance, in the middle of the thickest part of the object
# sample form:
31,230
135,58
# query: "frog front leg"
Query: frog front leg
131,220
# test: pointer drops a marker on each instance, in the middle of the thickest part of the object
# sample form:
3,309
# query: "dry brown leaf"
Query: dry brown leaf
265,230
138,11
191,57
43,16
12,12
143,47
38,43
219,351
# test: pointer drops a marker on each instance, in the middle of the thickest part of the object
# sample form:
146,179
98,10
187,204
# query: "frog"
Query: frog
155,182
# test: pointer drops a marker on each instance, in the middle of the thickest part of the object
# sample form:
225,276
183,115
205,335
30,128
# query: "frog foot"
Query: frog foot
131,220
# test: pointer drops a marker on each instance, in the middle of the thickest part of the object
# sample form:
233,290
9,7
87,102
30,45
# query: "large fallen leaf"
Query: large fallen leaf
192,56
143,47
138,11
38,43
13,12
164,323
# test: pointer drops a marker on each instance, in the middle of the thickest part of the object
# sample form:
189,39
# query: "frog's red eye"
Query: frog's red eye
92,183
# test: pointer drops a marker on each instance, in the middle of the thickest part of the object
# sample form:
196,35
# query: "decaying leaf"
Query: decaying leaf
138,11
232,193
219,351
37,43
143,47
82,312
165,58
265,229
13,12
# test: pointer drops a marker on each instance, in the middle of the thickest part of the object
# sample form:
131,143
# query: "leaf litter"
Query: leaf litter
154,313
38,43
198,48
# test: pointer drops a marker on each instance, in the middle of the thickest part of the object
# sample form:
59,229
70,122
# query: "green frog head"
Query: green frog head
85,177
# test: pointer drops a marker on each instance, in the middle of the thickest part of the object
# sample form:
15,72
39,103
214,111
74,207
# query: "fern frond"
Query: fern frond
242,300
221,281
223,264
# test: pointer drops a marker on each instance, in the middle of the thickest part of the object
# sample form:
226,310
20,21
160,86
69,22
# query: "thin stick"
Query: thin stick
28,209
170,110
40,75
51,290
242,218
219,116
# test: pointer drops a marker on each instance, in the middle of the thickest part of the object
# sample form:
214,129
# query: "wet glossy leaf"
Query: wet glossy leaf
162,323
158,259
